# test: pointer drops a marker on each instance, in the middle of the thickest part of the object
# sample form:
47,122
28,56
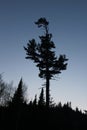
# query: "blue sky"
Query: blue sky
68,24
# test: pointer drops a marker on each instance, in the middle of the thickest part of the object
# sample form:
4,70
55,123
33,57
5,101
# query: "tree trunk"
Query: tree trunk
47,92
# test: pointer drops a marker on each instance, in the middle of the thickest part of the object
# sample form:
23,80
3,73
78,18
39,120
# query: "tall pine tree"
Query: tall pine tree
43,55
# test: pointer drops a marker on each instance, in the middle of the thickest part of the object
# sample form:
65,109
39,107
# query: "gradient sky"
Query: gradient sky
68,24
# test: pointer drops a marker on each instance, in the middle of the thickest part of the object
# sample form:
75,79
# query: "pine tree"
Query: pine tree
35,101
41,101
18,98
43,55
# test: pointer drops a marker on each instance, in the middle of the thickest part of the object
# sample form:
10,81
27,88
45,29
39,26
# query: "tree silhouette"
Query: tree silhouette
41,101
6,91
43,55
18,98
35,101
2,86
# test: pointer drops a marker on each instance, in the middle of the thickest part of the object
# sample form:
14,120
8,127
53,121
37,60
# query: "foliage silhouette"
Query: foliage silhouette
2,86
35,101
18,98
6,92
22,116
41,101
61,117
43,55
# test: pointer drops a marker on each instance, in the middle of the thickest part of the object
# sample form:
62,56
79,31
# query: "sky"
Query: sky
68,25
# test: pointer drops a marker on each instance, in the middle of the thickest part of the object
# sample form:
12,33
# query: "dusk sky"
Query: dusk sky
68,25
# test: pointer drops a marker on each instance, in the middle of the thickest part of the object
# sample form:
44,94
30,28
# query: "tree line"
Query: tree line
18,114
